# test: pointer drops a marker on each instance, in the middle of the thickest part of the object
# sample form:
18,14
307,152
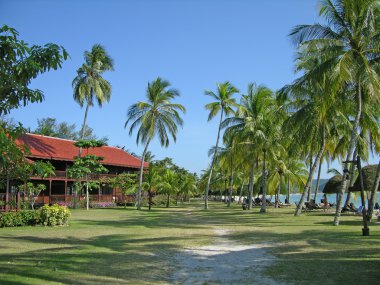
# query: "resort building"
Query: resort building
61,153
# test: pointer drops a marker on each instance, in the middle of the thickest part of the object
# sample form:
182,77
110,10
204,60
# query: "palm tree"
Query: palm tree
252,124
350,43
224,104
89,85
158,116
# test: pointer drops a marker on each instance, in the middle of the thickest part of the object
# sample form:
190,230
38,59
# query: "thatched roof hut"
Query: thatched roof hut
369,174
333,185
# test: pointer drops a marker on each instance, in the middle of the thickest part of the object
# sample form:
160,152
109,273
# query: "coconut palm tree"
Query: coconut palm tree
224,103
252,124
89,85
350,42
158,116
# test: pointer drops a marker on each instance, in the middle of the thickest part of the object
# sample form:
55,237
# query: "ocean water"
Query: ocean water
355,198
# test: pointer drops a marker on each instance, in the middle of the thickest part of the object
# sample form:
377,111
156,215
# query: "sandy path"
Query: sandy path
223,262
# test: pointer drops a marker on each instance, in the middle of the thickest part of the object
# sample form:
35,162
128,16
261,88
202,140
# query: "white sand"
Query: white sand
223,262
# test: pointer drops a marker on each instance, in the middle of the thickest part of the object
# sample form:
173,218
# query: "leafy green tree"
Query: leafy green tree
83,166
126,182
50,127
351,47
32,192
158,116
89,85
224,103
19,64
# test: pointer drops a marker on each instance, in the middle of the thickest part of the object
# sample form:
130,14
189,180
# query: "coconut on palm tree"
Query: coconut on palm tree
224,103
155,117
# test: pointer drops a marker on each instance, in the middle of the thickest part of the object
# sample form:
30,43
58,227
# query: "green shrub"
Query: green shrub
54,215
7,220
21,218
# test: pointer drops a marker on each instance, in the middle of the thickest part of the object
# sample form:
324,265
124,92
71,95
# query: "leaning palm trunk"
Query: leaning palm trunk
288,191
371,202
138,194
318,179
309,179
264,185
354,136
352,179
213,160
250,190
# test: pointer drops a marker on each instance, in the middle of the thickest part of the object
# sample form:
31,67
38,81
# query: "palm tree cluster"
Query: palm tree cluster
329,112
165,178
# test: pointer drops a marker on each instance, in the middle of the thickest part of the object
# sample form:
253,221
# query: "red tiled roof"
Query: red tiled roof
61,149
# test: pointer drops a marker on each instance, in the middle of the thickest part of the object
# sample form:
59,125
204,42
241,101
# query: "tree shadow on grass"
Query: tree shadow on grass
107,259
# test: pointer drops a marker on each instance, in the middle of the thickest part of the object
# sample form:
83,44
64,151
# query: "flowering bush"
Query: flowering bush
102,204
65,204
54,215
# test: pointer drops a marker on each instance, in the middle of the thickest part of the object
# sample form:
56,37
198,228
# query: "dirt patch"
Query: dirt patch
223,262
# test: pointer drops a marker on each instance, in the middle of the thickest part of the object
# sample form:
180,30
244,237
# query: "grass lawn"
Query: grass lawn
125,246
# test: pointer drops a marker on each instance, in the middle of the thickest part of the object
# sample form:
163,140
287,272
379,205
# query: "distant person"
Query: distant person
377,207
325,202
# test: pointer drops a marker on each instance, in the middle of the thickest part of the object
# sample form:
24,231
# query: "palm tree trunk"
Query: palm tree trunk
167,200
353,139
251,181
150,199
138,196
309,179
231,183
318,179
288,192
241,190
264,185
309,189
371,202
213,159
277,202
352,179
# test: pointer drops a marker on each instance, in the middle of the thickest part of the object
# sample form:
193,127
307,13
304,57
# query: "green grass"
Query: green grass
125,246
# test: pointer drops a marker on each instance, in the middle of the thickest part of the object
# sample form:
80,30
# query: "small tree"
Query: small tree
82,167
32,191
79,172
126,182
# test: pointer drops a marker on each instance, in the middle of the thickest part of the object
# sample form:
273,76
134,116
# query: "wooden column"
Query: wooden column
50,191
65,189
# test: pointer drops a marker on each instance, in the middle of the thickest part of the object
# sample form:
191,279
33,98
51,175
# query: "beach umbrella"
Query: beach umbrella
369,175
333,185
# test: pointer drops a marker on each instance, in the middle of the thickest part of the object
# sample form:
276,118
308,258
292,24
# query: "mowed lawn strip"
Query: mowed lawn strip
125,246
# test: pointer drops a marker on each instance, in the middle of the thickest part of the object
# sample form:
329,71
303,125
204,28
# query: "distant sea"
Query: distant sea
294,198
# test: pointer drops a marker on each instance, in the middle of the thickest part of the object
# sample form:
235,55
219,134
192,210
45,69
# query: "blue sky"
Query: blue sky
193,44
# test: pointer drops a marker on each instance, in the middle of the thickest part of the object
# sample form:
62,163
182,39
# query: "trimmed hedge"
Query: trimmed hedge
46,215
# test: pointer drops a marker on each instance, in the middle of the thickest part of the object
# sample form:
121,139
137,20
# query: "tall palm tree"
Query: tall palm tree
350,42
158,116
224,103
89,85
